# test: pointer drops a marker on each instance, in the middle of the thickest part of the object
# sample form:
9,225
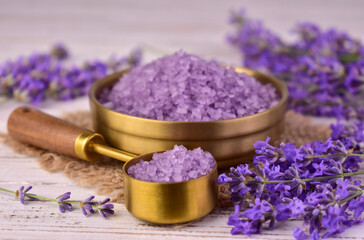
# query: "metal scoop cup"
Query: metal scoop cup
162,203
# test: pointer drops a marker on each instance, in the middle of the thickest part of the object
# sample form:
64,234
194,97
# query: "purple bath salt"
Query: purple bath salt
184,87
176,165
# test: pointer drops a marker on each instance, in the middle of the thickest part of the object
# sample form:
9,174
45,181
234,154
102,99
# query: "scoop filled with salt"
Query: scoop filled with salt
176,165
172,187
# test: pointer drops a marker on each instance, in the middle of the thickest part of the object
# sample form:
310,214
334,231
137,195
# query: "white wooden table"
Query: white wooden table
97,29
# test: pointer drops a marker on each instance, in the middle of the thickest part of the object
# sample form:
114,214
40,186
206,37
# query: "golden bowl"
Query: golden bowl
229,141
168,203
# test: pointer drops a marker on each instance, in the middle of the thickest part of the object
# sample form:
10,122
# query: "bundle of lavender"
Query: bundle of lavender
314,183
43,76
324,70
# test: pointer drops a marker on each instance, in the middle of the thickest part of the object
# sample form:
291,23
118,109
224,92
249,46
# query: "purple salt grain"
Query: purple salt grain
176,165
184,87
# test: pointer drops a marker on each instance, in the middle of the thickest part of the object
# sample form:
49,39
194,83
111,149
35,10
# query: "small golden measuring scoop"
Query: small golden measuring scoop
163,203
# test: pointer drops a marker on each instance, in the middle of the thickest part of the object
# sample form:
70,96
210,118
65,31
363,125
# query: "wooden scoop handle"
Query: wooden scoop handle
34,127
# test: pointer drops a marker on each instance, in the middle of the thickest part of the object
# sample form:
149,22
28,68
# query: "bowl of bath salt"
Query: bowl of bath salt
184,99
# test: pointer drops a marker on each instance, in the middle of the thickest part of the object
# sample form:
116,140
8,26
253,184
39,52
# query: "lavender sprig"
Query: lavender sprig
103,207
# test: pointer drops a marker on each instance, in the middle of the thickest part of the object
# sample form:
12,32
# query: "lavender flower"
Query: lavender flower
351,132
87,205
251,220
299,234
289,208
333,220
343,189
266,152
104,208
357,206
237,183
21,193
63,205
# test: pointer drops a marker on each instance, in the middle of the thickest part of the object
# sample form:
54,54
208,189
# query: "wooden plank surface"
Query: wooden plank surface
97,29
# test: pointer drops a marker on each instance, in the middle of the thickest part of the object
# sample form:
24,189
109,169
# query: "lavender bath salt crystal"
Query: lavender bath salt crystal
184,87
176,165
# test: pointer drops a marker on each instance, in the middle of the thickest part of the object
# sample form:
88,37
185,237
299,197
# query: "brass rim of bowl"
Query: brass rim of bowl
282,90
137,159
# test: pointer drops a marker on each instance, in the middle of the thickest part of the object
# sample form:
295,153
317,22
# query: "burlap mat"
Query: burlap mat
106,175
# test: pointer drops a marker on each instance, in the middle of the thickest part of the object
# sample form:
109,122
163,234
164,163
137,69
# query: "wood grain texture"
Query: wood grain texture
36,128
99,28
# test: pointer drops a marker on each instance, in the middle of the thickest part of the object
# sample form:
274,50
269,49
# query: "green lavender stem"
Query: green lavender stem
351,197
340,154
312,179
40,197
6,190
